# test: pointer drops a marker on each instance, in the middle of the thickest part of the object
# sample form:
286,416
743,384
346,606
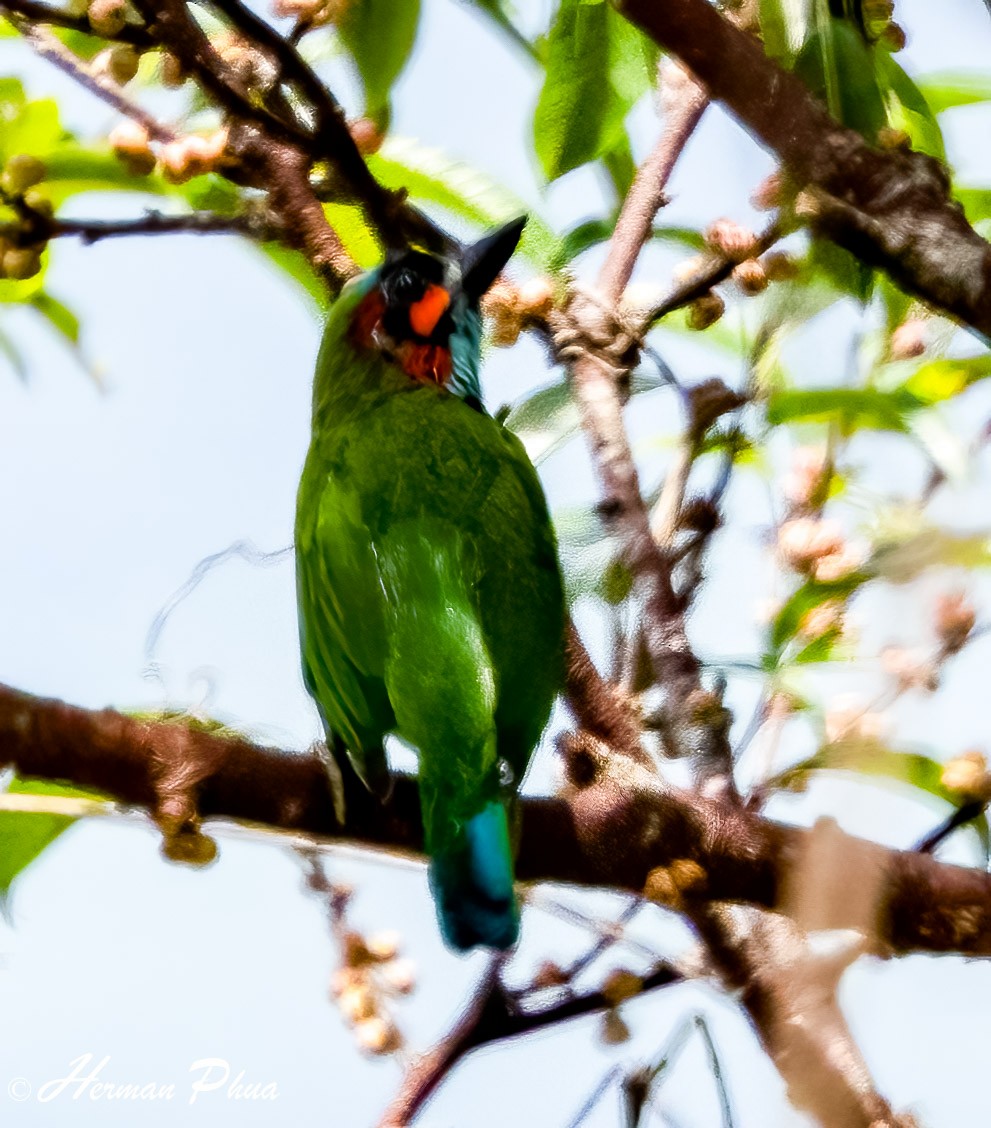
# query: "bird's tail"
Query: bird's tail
472,883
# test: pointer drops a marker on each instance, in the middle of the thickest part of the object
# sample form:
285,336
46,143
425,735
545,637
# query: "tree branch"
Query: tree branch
891,209
613,825
598,350
55,17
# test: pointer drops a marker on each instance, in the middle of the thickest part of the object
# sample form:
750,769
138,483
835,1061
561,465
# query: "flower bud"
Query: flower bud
20,263
705,311
107,17
730,239
22,171
750,276
122,63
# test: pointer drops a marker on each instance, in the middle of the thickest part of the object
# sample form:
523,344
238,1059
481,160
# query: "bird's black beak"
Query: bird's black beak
482,262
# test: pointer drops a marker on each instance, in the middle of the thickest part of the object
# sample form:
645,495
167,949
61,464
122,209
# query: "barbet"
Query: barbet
430,596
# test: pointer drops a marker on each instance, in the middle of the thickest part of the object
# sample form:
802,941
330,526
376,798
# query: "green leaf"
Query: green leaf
14,357
545,420
549,416
501,14
620,167
594,231
58,316
852,408
809,596
948,89
432,177
359,240
598,66
35,130
25,835
902,558
838,67
871,757
379,35
908,109
784,26
73,169
842,270
940,380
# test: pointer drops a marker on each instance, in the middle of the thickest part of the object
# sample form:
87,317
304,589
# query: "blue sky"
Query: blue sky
110,498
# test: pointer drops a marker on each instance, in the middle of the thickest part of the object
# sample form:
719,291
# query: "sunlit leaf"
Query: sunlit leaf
940,380
908,108
379,35
432,177
902,560
838,66
948,89
58,316
852,409
783,26
871,757
598,66
501,14
25,835
810,595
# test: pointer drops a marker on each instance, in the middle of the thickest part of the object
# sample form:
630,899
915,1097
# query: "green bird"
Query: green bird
430,596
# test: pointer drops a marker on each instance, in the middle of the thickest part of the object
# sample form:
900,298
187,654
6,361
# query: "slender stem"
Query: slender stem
45,44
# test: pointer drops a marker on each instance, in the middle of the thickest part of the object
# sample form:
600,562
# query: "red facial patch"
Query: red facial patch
430,364
366,319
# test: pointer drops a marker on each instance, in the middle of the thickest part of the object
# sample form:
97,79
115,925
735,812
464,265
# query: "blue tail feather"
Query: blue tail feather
472,884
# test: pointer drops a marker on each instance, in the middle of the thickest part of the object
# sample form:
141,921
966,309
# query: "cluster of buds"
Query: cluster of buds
908,340
372,971
911,669
119,62
254,69
803,541
878,18
849,720
21,259
311,13
955,618
968,776
180,160
512,308
807,542
824,619
751,274
108,18
618,987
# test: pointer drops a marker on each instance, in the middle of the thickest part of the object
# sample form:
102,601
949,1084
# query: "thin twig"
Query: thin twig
714,272
55,17
154,223
45,44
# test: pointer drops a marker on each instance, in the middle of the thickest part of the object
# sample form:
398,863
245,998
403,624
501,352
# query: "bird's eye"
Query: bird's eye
406,286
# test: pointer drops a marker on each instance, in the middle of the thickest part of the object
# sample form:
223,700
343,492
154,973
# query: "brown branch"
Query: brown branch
331,138
621,829
55,17
790,995
42,227
695,725
284,170
646,196
892,209
597,705
488,1018
711,274
45,44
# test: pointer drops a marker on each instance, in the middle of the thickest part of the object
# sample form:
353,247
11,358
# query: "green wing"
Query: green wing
341,620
